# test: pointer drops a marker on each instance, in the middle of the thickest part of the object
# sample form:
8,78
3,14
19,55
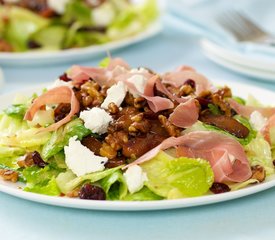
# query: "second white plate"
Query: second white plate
70,55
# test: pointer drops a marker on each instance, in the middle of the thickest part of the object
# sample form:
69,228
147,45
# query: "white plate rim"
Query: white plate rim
12,189
247,71
39,57
236,57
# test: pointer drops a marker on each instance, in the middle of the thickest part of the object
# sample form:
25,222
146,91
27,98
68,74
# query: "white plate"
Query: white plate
239,62
71,55
241,90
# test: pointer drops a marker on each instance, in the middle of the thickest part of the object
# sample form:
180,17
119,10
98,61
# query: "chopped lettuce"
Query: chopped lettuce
41,180
68,181
179,177
114,186
259,153
22,23
50,37
16,111
60,137
145,194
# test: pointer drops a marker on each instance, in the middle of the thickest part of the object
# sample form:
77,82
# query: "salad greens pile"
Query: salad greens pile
164,176
79,25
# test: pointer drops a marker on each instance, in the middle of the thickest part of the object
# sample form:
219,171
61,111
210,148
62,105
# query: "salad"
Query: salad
27,25
119,133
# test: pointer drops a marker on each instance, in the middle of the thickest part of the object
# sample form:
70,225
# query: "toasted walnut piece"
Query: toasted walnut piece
258,173
73,194
171,129
116,139
224,106
113,108
137,118
107,151
9,175
139,102
143,127
27,161
93,89
185,90
129,99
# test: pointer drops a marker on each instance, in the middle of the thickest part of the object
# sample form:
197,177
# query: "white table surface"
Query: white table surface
251,217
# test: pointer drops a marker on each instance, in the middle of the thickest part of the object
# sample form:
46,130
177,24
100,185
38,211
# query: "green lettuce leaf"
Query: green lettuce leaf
41,180
258,152
179,177
68,181
145,194
21,25
114,186
50,37
16,111
60,137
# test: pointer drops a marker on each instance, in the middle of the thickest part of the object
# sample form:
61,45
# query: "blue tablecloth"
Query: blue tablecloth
251,217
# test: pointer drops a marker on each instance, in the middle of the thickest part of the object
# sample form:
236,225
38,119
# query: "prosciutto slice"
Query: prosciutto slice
225,155
62,94
179,77
103,76
185,114
246,111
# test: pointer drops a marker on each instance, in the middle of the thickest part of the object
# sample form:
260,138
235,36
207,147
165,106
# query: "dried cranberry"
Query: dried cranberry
33,44
219,188
190,82
64,77
91,192
37,160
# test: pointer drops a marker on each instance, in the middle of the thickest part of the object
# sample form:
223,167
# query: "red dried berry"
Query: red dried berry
37,160
64,77
219,188
91,192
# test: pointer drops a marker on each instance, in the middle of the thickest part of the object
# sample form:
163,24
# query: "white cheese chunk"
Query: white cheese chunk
58,5
103,15
96,119
81,160
139,82
257,120
135,178
115,94
59,83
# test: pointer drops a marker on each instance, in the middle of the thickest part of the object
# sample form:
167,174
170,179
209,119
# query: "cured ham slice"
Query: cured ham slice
185,114
225,155
56,95
179,77
246,111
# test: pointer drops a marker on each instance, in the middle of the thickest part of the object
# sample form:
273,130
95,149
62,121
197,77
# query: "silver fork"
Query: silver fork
244,29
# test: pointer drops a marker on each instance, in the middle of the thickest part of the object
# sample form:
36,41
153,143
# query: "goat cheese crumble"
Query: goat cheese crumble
81,160
115,94
135,178
96,119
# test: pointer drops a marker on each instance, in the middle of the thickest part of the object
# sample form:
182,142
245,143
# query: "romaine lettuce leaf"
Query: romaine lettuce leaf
114,186
41,180
145,194
68,181
179,177
16,111
22,23
60,137
258,152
